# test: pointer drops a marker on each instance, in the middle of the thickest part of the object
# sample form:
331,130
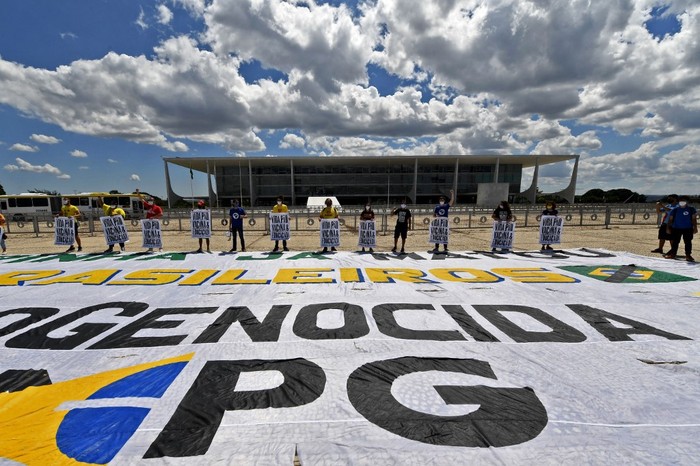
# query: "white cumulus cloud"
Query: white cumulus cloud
43,139
164,14
24,148
78,153
23,165
135,177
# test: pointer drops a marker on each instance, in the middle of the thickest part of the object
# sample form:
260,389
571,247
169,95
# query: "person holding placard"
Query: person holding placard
153,211
111,211
69,210
682,223
236,215
367,215
280,208
202,206
403,224
442,210
551,211
502,214
329,212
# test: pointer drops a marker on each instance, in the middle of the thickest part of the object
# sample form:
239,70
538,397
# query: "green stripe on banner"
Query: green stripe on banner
626,274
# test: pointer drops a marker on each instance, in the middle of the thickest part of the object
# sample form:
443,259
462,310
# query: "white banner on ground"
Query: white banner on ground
330,233
367,234
64,231
178,358
279,227
200,223
152,238
551,227
114,230
439,230
502,235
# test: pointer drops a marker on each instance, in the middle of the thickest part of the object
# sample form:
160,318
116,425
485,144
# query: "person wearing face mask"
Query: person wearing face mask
442,210
663,233
367,214
403,224
502,213
69,210
551,210
329,212
236,215
682,223
280,208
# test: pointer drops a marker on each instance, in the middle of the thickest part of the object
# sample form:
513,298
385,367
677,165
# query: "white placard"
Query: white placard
502,235
150,229
367,234
439,230
330,233
200,223
551,227
279,227
64,231
114,230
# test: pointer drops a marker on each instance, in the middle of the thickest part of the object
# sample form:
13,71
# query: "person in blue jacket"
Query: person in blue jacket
236,215
682,223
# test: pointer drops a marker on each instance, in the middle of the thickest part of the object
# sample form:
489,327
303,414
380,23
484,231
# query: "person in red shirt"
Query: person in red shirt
153,211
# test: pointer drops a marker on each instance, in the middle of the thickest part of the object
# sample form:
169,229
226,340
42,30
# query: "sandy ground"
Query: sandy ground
637,239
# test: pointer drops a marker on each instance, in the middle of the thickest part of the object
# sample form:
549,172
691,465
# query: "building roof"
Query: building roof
200,163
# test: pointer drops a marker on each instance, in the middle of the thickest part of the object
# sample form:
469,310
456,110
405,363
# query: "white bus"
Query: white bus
20,207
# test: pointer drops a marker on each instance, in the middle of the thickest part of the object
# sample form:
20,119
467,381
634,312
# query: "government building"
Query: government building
420,179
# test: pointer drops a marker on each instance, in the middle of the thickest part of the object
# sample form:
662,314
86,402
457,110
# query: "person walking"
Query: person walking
663,227
280,208
236,215
403,224
682,223
69,210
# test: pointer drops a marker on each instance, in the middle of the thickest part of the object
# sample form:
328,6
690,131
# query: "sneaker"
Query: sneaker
208,250
371,250
80,248
669,256
493,250
285,249
447,250
394,249
333,249
243,250
543,248
549,247
276,250
123,249
199,250
435,250
325,250
70,249
232,250
108,251
659,250
403,252
689,258
149,250
363,249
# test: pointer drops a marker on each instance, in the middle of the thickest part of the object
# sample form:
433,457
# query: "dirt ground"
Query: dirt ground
635,239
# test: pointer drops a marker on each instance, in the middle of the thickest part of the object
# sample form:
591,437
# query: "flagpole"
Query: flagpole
191,186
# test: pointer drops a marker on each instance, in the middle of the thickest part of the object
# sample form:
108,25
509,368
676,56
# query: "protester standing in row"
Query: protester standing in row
111,211
280,208
328,212
443,210
3,235
502,213
403,224
153,210
236,215
69,210
550,210
663,228
367,214
682,223
202,205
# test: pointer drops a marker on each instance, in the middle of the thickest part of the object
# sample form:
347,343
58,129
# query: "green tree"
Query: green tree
2,190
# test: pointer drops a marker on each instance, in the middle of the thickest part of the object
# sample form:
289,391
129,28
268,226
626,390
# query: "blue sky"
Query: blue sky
94,93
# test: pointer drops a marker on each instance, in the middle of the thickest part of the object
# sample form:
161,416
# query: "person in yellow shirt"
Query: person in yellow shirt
69,210
329,212
280,208
112,211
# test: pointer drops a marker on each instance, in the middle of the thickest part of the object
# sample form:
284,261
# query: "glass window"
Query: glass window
24,202
13,202
41,202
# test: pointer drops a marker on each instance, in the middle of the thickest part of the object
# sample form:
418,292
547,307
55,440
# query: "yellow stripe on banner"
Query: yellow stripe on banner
18,277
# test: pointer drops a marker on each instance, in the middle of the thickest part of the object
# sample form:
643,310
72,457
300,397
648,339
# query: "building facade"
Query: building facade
356,180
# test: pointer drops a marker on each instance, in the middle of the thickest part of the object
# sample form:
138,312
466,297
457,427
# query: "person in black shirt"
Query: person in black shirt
403,224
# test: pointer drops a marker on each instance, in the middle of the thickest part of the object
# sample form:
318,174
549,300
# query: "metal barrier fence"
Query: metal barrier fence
301,220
